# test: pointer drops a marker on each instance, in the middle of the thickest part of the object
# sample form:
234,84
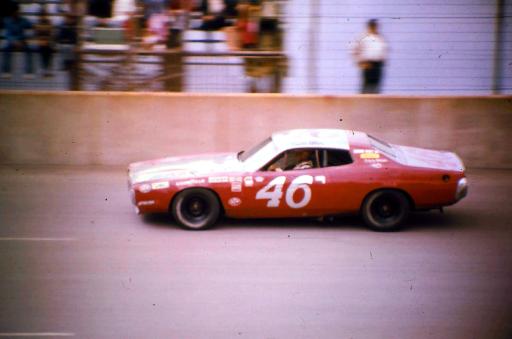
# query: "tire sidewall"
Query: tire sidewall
207,197
392,225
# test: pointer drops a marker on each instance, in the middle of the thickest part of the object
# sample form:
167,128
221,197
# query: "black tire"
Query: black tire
385,210
196,209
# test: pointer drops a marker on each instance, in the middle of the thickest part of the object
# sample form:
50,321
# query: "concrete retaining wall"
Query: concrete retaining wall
79,128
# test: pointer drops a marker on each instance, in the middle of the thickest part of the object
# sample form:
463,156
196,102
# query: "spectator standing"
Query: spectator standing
101,10
152,7
122,10
16,29
44,39
248,24
157,28
179,11
67,38
258,71
269,25
230,9
370,53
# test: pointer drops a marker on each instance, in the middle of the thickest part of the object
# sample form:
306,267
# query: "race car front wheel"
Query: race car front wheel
196,209
385,210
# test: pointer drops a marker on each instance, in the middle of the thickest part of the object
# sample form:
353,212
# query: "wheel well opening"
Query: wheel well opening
222,211
412,205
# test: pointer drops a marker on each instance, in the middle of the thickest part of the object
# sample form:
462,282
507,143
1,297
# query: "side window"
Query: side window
276,164
296,159
335,157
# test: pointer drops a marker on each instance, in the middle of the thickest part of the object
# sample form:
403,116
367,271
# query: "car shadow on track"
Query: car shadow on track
165,221
417,221
449,220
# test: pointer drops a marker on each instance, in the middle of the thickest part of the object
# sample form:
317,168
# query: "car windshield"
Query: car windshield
382,146
244,155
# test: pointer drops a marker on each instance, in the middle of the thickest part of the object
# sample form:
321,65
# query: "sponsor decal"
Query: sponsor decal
217,180
373,155
367,153
234,179
259,179
145,188
361,151
248,181
190,182
160,185
236,186
234,202
146,203
376,165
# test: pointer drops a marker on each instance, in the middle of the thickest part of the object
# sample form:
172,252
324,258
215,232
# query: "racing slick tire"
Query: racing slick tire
385,210
196,209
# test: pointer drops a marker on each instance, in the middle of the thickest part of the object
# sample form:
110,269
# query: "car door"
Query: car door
286,193
345,180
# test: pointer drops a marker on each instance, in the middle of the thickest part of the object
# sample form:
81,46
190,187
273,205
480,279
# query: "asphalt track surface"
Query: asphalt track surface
76,261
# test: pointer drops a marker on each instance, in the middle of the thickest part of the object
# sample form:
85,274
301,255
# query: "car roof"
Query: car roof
311,138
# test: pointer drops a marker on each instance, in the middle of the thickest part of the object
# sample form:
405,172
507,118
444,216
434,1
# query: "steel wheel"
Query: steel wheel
385,210
196,208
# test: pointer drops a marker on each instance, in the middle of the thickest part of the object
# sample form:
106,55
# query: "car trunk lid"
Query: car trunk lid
427,158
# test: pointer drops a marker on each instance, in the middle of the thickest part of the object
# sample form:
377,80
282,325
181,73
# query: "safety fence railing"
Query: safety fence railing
175,70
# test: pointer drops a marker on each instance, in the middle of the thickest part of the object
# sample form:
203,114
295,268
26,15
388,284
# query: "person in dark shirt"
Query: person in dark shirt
214,14
6,8
67,38
16,28
100,8
44,38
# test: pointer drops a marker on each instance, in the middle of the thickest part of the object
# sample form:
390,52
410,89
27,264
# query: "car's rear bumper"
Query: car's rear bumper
462,189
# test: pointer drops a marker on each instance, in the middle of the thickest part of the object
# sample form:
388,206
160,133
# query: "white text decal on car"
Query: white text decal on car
273,191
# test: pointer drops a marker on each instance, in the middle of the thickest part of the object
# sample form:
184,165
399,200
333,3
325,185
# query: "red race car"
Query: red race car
301,173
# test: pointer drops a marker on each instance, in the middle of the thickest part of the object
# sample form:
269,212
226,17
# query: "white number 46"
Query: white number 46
273,191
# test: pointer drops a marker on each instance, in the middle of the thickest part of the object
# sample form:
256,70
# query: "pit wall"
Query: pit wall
112,128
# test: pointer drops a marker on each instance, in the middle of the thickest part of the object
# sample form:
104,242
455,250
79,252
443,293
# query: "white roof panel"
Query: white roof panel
307,138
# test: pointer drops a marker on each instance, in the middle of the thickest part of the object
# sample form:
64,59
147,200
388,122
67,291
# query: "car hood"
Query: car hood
172,168
427,158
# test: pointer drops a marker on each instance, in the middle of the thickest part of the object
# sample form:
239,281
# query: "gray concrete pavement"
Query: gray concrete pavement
75,261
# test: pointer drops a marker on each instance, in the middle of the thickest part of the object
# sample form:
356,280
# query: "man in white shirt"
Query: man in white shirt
370,53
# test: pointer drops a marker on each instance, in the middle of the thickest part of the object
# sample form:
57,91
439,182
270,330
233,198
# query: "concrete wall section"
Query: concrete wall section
118,128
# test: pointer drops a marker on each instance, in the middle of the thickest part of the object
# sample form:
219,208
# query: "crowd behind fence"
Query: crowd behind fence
141,45
427,47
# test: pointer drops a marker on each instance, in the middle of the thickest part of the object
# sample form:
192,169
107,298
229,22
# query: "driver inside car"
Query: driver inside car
300,160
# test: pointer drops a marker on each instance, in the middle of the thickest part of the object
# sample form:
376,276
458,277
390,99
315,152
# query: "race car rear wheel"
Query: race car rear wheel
196,209
385,210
